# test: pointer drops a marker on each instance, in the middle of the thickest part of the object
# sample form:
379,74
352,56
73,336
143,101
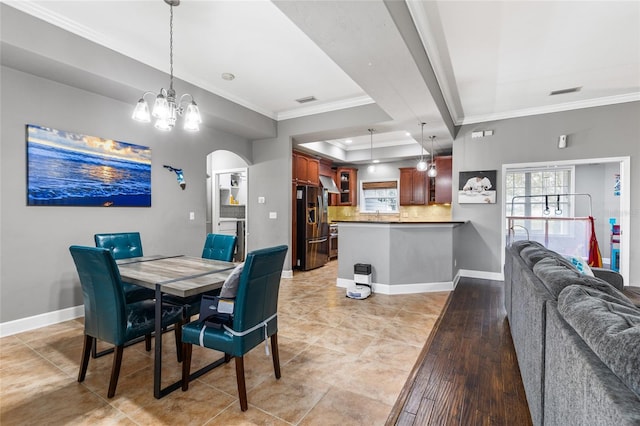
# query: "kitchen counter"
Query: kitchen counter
399,222
405,257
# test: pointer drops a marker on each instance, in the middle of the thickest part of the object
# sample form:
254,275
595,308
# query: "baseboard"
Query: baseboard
42,320
287,273
484,275
401,288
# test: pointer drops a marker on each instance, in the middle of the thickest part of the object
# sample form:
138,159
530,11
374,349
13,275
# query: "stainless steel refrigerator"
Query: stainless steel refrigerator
313,227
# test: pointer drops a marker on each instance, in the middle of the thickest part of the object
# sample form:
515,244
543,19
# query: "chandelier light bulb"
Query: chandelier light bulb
432,171
422,165
141,112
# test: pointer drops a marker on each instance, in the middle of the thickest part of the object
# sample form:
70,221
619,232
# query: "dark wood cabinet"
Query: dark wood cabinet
443,180
306,170
347,181
414,187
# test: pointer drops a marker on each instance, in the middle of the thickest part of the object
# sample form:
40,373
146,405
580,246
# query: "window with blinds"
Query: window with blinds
379,196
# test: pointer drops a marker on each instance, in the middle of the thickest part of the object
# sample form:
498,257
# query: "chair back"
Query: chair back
104,300
219,247
257,297
122,245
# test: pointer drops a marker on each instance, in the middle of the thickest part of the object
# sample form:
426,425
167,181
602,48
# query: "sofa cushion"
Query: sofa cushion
533,254
557,273
521,244
609,325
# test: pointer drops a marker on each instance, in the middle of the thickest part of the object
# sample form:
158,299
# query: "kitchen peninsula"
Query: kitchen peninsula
405,257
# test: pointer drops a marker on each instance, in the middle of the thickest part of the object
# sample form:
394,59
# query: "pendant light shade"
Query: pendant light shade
422,165
165,108
432,172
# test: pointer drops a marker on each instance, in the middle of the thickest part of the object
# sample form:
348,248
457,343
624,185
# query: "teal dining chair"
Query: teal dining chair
125,245
107,316
216,247
254,318
219,247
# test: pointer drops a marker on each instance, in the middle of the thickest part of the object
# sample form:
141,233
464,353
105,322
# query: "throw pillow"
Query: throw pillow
581,265
230,286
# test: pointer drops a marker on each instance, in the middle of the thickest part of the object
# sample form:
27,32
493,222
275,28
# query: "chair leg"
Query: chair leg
115,370
147,342
94,349
186,365
178,332
275,355
89,341
242,388
227,358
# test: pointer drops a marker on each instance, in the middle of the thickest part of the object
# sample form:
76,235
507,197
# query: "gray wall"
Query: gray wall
37,274
610,131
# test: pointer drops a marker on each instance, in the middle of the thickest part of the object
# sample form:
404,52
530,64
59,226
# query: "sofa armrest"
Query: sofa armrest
612,277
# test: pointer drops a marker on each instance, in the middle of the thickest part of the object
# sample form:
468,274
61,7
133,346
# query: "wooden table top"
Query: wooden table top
181,276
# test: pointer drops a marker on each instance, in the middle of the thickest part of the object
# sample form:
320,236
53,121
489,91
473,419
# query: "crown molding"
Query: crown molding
548,109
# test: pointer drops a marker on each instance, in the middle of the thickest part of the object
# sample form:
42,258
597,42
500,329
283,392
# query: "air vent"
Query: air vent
307,99
565,91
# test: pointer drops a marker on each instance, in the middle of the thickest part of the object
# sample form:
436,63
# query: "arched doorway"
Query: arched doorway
227,196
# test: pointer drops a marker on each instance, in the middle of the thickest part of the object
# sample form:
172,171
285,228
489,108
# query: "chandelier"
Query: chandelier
422,165
166,109
372,166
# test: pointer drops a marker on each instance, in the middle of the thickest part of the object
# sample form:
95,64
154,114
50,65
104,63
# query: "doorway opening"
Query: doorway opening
533,187
227,195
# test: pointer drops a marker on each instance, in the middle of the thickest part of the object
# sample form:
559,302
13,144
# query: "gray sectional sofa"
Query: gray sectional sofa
577,339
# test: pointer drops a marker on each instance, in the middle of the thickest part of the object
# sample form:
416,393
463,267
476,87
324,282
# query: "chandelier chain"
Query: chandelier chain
171,47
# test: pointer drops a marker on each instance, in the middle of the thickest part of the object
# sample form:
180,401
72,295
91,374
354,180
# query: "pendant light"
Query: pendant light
422,165
165,108
372,166
432,172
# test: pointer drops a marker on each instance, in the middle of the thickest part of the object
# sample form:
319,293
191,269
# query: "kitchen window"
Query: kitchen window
379,196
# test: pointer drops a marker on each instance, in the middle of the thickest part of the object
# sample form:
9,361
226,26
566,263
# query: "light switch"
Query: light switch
261,200
192,216
273,215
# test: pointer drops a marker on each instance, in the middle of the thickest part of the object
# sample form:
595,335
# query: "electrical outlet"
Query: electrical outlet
192,216
261,200
273,215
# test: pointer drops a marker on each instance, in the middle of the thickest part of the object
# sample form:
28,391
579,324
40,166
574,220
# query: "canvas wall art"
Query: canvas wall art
477,187
71,169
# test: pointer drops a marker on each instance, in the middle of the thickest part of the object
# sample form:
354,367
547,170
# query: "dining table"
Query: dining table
178,275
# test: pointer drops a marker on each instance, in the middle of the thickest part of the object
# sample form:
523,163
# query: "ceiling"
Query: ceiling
446,63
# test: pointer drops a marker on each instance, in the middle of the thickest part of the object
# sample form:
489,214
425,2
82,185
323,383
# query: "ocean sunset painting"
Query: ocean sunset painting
70,169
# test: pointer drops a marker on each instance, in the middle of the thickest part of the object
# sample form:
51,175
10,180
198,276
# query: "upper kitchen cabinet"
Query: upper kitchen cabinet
305,170
414,187
443,180
347,184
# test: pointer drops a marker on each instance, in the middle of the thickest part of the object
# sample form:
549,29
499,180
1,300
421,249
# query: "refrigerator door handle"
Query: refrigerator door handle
318,241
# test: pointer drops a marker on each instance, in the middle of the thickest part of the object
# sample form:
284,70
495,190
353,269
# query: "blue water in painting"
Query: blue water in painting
65,177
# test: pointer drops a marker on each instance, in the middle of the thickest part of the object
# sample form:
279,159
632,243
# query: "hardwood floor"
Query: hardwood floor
467,373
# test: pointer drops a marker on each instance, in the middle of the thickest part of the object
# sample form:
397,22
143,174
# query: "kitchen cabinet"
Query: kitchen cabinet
305,170
414,187
442,181
347,181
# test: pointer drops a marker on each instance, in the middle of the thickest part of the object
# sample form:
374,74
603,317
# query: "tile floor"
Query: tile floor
343,362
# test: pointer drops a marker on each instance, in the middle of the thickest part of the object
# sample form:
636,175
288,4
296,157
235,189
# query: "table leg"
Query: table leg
157,362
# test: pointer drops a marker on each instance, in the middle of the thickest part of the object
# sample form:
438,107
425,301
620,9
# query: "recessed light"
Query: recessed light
228,76
307,99
376,161
348,141
407,133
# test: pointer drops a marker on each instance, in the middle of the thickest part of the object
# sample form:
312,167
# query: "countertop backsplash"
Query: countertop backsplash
433,213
